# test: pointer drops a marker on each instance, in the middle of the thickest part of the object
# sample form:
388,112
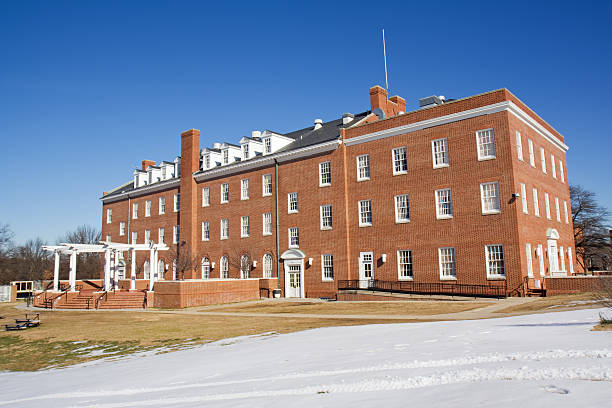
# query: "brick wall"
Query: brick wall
179,294
577,284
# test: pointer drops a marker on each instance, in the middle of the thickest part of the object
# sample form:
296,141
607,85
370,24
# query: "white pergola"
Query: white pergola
111,253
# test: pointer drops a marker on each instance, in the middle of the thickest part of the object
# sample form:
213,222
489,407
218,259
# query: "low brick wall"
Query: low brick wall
576,284
267,286
124,284
188,293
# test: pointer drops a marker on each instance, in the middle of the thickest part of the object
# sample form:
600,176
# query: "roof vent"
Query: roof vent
347,118
256,134
431,101
318,124
216,145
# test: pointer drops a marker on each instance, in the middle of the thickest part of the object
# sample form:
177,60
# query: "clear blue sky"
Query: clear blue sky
89,89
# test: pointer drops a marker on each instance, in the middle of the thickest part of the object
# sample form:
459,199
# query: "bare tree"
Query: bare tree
181,257
6,239
240,258
88,264
591,229
29,261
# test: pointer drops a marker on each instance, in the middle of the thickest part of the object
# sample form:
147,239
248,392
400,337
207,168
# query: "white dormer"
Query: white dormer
273,142
211,158
140,178
251,146
230,153
166,170
177,167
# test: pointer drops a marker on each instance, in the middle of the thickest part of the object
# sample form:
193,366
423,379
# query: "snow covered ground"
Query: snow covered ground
551,359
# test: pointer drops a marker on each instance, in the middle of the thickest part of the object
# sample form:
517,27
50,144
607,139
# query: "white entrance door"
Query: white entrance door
294,288
366,269
553,256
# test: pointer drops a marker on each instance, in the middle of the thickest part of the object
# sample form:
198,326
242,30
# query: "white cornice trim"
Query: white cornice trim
151,188
268,160
472,113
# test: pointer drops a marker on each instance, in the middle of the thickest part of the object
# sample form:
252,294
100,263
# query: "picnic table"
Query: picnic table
31,320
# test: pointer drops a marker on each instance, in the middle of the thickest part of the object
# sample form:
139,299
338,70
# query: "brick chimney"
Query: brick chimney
391,107
190,163
147,163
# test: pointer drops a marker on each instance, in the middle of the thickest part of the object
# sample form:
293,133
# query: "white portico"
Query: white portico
294,260
112,251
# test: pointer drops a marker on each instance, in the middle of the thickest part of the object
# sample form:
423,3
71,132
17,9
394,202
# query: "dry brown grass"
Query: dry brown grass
556,303
417,307
118,333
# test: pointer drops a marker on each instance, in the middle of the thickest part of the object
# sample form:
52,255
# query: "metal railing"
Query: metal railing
424,288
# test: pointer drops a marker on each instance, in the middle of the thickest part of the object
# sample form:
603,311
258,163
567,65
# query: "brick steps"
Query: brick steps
122,300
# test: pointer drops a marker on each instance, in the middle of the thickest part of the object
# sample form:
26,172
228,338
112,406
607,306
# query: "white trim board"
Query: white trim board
472,113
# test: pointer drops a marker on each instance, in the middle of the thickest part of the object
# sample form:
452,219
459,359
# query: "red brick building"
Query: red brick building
471,191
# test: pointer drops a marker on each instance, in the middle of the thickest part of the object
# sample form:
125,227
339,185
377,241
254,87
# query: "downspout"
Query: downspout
278,285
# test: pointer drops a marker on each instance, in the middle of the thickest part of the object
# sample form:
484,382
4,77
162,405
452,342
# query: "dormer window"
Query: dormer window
225,156
267,145
245,151
207,161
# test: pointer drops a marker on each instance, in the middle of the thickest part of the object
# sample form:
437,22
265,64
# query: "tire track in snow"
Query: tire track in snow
398,383
555,354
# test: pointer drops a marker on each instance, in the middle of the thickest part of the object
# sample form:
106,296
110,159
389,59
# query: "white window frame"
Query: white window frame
396,201
529,259
365,167
399,157
147,236
543,159
177,202
553,166
109,215
327,267
267,226
224,267
547,205
244,189
245,229
561,171
442,142
519,146
439,214
108,238
565,210
205,196
224,197
224,229
524,199
266,180
226,156
245,151
531,153
325,172
557,207
570,260
291,199
268,268
294,237
453,266
134,211
495,199
122,228
176,234
488,248
205,231
161,232
148,208
360,208
162,205
267,145
480,146
400,264
324,218
134,237
536,204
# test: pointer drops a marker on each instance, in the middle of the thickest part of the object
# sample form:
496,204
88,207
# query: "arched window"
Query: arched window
267,266
205,268
147,270
174,270
161,269
224,268
245,266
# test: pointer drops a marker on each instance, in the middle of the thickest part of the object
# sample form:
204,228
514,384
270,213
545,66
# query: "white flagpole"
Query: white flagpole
386,78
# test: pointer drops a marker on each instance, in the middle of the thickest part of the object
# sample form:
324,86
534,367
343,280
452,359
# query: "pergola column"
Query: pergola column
157,277
116,271
107,270
72,275
152,268
133,271
56,271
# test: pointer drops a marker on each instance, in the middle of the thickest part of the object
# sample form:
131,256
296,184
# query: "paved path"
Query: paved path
479,313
